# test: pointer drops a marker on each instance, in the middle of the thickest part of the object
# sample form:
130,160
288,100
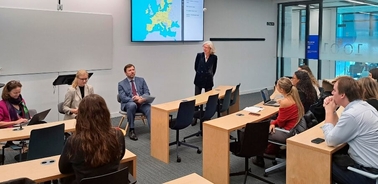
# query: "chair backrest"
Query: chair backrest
19,181
117,177
226,100
184,115
254,139
211,107
118,99
300,127
60,108
235,95
46,142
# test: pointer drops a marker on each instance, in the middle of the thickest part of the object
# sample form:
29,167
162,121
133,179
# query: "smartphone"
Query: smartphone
317,140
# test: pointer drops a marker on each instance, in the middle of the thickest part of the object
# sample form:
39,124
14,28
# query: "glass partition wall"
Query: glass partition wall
333,37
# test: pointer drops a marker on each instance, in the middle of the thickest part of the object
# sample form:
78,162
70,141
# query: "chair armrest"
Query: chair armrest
364,173
282,130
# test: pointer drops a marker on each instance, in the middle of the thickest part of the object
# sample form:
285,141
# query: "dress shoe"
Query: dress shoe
132,135
258,161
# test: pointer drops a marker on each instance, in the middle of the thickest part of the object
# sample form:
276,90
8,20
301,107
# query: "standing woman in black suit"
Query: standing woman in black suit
205,67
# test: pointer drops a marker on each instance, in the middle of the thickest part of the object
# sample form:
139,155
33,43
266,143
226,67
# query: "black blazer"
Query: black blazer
205,71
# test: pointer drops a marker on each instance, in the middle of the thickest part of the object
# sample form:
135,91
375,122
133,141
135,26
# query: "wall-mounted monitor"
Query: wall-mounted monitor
166,20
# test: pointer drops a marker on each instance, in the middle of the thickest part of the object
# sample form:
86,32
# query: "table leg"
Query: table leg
160,134
216,154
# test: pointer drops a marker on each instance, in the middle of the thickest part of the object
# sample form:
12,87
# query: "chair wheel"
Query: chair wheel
197,135
183,140
199,151
274,162
178,159
265,175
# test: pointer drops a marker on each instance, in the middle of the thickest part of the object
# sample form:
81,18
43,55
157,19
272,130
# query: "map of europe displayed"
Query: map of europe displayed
156,20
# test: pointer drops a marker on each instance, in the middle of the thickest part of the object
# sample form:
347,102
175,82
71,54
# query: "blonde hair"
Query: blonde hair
78,73
369,88
211,45
285,84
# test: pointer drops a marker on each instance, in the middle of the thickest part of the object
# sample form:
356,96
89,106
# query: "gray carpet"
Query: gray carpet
151,171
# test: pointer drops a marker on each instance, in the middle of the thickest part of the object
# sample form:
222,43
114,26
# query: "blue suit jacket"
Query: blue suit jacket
125,93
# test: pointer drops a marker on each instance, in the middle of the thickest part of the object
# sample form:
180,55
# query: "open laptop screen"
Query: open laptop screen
265,95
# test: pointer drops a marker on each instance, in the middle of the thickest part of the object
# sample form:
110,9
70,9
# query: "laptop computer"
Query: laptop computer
266,98
149,99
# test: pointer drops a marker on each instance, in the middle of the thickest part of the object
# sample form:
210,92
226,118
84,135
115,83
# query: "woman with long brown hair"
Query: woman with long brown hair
369,91
96,147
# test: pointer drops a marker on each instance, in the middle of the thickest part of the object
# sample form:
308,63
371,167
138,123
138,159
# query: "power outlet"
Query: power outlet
60,7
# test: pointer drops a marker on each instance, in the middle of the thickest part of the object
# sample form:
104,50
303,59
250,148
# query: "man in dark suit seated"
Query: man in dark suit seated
130,91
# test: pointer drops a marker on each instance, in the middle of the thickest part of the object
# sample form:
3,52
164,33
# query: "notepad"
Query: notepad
254,109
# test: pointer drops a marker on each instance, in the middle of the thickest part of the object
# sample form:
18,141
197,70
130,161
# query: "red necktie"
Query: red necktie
133,88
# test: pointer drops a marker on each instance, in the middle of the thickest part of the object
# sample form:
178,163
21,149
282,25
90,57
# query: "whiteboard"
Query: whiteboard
40,41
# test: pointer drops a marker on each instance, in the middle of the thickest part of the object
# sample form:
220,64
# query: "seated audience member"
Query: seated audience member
313,79
357,126
369,91
131,91
289,114
75,93
95,148
373,73
306,91
12,106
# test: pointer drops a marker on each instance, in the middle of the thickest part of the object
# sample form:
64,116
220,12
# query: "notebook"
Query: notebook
149,99
266,99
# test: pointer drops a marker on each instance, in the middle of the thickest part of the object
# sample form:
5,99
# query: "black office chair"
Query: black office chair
46,142
251,142
60,108
19,181
224,104
235,95
211,108
279,163
121,176
183,120
138,115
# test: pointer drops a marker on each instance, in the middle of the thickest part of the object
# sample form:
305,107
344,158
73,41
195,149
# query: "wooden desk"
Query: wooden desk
160,121
307,162
216,142
8,134
189,179
38,172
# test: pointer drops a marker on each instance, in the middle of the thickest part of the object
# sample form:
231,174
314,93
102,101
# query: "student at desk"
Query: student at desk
13,110
370,91
95,148
307,93
357,126
290,112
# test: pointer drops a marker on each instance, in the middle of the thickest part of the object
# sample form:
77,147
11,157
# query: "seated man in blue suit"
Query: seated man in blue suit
130,91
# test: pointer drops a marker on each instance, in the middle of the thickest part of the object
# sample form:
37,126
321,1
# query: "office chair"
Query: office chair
279,163
138,116
364,173
235,95
251,142
19,146
121,176
184,119
224,104
46,142
211,108
19,181
60,108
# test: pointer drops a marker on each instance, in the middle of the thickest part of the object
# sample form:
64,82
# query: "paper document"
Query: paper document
253,109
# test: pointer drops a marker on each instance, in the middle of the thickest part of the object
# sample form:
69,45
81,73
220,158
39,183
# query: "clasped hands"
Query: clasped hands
329,104
138,99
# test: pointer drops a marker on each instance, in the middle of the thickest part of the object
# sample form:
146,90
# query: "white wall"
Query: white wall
167,67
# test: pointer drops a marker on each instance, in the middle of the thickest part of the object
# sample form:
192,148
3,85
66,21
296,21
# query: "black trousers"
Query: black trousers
198,90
